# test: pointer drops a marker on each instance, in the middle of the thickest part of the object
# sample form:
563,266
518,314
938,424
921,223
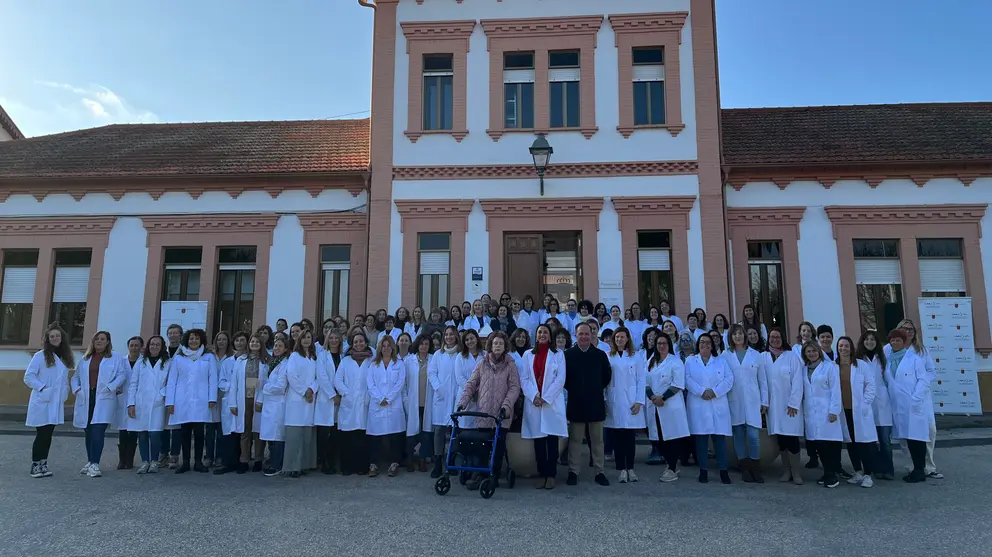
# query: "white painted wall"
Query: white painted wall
478,148
125,266
476,255
610,256
395,261
4,136
286,263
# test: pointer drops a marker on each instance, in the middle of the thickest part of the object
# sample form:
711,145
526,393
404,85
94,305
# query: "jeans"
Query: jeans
719,448
94,442
276,449
747,442
171,443
42,442
546,454
885,465
148,442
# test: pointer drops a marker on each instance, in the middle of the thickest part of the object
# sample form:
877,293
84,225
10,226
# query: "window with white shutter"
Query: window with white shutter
335,266
649,85
20,271
878,279
434,269
518,90
70,290
563,76
941,267
654,267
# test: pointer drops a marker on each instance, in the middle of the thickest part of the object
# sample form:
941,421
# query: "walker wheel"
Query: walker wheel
442,486
511,479
488,488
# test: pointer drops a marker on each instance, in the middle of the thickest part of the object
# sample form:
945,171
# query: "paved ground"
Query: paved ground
126,514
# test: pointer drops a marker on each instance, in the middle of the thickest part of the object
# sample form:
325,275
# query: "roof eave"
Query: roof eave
7,123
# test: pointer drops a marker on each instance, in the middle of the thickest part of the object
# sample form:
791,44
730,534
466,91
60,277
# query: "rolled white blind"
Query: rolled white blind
336,266
72,284
434,263
649,73
18,285
942,275
877,271
654,260
518,76
564,74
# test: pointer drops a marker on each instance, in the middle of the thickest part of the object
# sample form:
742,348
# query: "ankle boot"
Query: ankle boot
121,459
745,465
787,466
797,474
756,471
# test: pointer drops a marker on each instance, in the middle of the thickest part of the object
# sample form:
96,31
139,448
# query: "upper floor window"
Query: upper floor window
20,270
335,270
654,267
878,275
649,85
235,289
518,90
564,75
70,292
941,268
438,91
182,274
434,274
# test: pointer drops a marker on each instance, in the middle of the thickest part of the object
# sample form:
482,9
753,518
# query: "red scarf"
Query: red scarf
539,360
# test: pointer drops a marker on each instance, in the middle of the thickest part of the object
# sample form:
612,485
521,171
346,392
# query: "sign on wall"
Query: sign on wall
948,335
189,315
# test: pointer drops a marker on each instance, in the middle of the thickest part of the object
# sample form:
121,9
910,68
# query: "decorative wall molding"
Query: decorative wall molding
766,216
433,209
847,215
60,226
575,207
332,222
542,27
920,173
558,170
648,23
209,223
666,207
437,30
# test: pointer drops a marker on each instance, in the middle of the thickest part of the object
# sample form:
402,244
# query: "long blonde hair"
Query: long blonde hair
91,349
917,345
386,339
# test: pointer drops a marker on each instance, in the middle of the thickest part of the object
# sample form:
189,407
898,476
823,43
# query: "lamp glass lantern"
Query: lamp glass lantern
541,151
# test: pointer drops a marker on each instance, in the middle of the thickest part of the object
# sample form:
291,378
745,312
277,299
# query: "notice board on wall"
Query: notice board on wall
948,335
189,315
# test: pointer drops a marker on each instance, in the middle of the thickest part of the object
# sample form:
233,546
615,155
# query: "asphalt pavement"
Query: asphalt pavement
167,514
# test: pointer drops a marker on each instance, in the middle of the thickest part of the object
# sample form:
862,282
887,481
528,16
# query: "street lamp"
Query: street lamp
541,151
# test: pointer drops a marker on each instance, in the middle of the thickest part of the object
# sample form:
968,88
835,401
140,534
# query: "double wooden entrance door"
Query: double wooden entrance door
539,263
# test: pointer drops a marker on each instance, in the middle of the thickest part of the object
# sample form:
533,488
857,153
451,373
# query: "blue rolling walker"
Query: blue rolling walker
466,446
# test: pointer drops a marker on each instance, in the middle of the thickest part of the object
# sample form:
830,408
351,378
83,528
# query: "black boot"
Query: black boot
121,450
438,470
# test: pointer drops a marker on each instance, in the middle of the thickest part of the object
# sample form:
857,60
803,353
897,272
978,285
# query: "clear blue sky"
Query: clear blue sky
67,65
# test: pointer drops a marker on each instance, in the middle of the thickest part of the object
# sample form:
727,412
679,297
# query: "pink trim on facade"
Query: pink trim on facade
770,224
653,29
47,234
543,35
655,213
907,223
209,232
437,37
543,215
920,173
708,151
433,215
557,170
324,229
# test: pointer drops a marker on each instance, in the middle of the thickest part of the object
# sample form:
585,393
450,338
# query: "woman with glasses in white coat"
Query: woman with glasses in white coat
351,383
784,380
912,400
748,401
543,374
821,411
667,421
707,382
146,401
624,401
442,373
100,374
48,378
191,395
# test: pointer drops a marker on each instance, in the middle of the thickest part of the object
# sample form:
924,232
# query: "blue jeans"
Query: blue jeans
885,465
94,438
171,442
719,447
747,441
148,442
276,451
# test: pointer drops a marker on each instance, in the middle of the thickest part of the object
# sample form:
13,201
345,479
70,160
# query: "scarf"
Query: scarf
776,352
498,365
276,360
360,356
895,358
452,350
520,351
191,354
582,318
540,358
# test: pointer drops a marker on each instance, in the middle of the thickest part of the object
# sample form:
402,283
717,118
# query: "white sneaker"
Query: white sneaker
86,469
857,478
143,469
669,475
623,476
153,467
867,482
94,471
631,476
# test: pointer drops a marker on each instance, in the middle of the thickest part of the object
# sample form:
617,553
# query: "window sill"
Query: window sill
26,347
587,132
627,131
413,136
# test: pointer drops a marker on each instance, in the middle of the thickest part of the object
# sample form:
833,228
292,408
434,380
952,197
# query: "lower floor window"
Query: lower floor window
15,323
433,291
880,306
71,316
653,287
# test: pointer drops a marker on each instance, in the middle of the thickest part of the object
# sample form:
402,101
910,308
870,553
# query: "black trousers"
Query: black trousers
829,452
501,451
788,443
864,456
811,450
193,433
546,453
354,451
394,448
670,448
327,454
229,447
918,452
42,442
623,447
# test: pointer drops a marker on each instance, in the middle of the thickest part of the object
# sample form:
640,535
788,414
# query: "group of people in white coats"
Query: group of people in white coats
284,403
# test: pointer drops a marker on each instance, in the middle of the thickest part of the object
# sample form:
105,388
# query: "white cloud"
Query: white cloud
59,107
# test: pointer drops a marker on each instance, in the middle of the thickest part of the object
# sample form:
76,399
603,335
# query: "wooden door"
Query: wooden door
523,265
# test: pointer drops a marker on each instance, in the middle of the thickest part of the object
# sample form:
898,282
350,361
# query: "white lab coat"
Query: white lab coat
324,410
263,375
750,392
911,398
475,323
862,395
528,320
821,393
708,417
121,419
636,329
146,392
272,425
224,366
232,387
442,374
411,394
426,422
386,382
626,388
674,319
881,407
550,418
466,365
610,325
301,373
351,382
413,330
394,332
192,385
784,380
46,407
674,422
111,376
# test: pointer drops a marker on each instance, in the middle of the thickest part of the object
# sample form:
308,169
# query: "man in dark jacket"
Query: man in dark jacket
587,373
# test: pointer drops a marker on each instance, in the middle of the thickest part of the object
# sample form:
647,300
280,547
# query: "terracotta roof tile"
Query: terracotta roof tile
197,149
951,132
